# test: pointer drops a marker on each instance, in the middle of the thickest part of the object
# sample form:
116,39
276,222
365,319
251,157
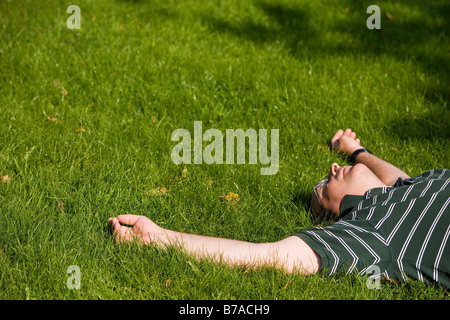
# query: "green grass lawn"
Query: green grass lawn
87,116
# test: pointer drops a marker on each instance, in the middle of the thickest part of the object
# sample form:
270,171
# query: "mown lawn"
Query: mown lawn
87,117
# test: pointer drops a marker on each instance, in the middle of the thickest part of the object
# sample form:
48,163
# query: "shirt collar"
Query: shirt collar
349,202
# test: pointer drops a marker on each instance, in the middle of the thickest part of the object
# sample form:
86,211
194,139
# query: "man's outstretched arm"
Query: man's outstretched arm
291,254
347,143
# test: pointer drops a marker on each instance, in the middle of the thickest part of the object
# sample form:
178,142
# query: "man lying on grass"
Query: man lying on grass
382,217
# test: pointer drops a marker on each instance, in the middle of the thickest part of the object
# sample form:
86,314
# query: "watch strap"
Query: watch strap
356,152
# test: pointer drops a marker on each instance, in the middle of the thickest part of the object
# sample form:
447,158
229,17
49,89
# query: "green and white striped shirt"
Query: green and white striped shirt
403,230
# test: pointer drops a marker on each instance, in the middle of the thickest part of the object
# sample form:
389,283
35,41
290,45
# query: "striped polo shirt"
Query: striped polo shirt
403,230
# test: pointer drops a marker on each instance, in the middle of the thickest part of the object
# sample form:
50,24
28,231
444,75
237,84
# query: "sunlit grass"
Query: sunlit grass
87,117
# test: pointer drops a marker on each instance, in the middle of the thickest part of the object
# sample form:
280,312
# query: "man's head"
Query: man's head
327,195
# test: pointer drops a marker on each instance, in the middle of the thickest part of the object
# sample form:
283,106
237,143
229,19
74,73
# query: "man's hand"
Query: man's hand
139,228
345,141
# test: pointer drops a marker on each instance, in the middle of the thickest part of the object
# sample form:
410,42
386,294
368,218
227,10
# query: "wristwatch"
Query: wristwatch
356,152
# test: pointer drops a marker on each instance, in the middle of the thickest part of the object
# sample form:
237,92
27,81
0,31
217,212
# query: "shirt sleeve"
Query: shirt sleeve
347,246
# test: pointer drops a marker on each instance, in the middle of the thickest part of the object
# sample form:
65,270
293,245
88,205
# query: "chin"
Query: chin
360,168
365,177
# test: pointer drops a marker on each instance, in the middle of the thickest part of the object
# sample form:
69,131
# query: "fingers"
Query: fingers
350,133
121,233
336,137
129,219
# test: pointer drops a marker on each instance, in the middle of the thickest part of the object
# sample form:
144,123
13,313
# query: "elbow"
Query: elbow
295,256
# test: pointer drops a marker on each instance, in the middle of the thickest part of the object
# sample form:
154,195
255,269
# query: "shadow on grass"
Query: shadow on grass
428,126
404,38
409,38
288,19
419,38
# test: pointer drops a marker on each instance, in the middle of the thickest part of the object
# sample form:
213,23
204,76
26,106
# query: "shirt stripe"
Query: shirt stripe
427,239
439,256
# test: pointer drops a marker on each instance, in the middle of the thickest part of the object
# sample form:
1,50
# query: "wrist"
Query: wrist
356,152
162,237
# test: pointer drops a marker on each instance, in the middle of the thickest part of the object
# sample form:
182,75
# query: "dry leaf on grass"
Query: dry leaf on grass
157,192
389,280
231,197
184,174
391,17
61,207
287,284
53,119
5,178
208,183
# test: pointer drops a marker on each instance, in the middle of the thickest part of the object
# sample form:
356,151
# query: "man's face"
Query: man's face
343,181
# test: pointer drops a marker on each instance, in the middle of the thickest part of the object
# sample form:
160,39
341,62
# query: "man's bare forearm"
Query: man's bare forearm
214,248
290,254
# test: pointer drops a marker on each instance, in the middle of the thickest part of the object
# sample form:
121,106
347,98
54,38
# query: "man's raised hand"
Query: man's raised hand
345,141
